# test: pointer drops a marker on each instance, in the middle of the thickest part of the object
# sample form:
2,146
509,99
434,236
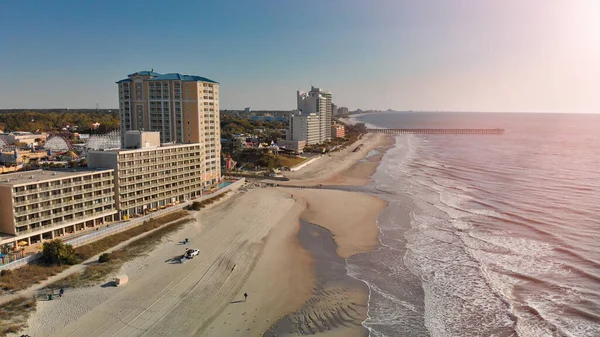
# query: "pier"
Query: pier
438,131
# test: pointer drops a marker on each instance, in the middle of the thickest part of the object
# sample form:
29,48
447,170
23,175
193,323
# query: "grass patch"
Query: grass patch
209,201
14,315
290,162
85,252
98,272
27,275
33,273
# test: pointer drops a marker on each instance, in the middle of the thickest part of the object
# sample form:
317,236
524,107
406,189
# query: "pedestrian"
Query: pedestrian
61,292
245,296
233,267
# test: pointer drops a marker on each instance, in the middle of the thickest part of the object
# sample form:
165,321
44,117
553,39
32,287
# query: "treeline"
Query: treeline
231,125
48,120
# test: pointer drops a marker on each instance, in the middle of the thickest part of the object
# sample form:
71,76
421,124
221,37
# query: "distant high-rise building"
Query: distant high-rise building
334,110
304,127
342,110
317,101
248,110
183,108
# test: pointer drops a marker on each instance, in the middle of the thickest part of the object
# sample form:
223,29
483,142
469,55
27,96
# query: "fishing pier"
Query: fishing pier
438,131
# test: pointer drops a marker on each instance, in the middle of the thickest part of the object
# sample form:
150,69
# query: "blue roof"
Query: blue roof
168,77
180,77
144,73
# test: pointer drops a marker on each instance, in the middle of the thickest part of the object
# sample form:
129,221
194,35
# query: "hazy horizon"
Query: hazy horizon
452,56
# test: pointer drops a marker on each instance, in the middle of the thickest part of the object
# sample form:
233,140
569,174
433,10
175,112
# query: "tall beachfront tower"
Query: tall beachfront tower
317,101
183,108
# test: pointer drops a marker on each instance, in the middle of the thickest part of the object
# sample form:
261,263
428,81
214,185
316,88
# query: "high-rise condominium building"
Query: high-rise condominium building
317,101
183,108
304,127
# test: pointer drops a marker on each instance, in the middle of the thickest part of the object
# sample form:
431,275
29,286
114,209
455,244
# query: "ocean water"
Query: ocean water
487,235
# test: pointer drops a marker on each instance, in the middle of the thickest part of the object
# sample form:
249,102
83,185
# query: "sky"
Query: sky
450,55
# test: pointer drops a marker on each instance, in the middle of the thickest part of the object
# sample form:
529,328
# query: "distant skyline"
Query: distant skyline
454,55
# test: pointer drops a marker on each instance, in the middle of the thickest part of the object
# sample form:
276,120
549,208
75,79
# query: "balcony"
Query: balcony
65,212
64,223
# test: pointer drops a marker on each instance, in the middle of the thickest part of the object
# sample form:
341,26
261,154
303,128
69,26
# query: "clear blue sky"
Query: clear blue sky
470,55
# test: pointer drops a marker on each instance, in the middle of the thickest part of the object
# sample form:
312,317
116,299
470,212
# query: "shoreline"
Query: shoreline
338,214
344,168
339,302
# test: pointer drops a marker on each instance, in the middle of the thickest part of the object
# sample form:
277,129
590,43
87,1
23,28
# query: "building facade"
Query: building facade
304,127
152,177
44,204
338,131
19,157
294,145
23,137
342,110
183,108
317,101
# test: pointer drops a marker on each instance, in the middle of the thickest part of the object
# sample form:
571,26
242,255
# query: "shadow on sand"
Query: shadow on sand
176,260
109,284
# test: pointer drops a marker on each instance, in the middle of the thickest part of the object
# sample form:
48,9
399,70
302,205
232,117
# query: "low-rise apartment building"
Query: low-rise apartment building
338,131
152,177
28,138
294,145
44,204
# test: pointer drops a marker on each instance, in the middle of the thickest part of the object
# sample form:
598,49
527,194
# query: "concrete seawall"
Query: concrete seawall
304,164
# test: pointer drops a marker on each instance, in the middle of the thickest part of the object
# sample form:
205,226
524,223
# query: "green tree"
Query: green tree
195,206
104,257
56,252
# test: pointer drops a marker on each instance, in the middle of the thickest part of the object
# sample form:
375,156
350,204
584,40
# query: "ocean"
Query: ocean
486,235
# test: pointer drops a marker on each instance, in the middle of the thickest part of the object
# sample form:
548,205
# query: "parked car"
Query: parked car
190,253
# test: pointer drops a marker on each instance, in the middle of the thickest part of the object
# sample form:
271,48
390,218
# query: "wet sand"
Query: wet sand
337,306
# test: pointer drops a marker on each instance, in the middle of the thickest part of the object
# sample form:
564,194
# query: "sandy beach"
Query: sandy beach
286,252
346,167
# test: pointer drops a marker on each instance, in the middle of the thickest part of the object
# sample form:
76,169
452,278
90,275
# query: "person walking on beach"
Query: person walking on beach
233,267
61,292
245,296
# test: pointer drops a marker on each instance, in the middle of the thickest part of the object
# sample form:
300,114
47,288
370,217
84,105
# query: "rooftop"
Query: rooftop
27,177
162,146
144,73
180,77
168,77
